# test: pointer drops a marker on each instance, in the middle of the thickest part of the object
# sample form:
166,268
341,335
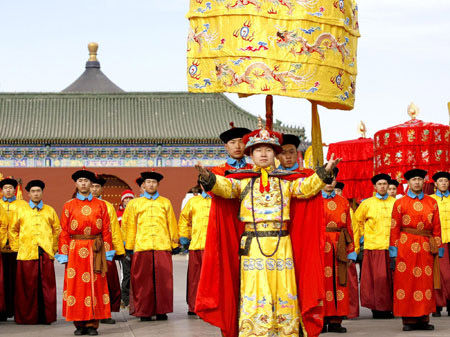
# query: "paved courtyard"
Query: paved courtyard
179,324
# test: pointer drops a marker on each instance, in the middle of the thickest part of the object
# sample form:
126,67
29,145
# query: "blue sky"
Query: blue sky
403,56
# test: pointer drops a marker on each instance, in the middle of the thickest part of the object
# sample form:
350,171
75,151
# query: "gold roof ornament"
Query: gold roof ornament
413,110
362,129
93,47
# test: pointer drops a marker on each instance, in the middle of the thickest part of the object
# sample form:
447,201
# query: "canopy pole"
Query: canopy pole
269,112
316,135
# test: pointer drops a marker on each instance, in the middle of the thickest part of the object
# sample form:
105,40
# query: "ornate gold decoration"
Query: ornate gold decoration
329,296
83,252
71,272
406,219
428,271
428,294
87,231
418,295
64,249
415,247
87,301
332,224
331,205
401,267
328,271
327,247
72,244
393,223
340,295
344,217
403,238
99,223
417,272
71,300
426,246
93,47
413,110
418,206
86,277
105,298
400,294
86,210
362,129
73,224
420,226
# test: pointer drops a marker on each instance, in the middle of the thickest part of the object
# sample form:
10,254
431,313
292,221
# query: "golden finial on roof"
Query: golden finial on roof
362,129
413,110
260,123
93,47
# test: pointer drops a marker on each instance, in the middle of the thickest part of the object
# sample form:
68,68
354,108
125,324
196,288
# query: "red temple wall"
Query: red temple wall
60,186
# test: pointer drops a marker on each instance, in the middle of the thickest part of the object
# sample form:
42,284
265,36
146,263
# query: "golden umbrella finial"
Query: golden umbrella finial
362,129
448,106
260,123
93,47
413,110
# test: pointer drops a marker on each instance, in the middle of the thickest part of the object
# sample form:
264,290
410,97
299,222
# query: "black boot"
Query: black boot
161,317
108,321
424,326
92,331
146,319
80,332
336,327
324,329
408,327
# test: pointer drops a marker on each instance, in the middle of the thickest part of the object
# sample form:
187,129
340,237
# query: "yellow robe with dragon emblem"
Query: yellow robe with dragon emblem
268,304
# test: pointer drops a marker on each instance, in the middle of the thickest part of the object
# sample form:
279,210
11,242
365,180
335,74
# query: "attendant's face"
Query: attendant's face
142,188
288,157
338,191
392,191
442,184
35,194
83,185
329,188
381,186
125,202
96,190
235,148
151,186
8,191
263,155
416,184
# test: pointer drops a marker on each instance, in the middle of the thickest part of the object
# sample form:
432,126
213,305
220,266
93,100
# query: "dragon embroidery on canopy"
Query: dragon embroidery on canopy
291,39
223,70
201,37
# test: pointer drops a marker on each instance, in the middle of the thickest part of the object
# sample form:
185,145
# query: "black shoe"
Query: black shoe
161,317
191,313
108,321
92,332
334,327
80,332
146,319
425,326
408,327
436,314
324,329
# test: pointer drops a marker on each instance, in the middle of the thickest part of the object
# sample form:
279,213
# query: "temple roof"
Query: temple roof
93,80
121,118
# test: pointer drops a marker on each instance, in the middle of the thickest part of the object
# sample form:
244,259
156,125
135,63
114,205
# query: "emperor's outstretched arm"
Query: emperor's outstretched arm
223,187
304,188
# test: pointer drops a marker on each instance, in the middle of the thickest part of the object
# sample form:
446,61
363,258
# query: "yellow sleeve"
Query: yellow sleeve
3,227
14,229
227,188
304,188
185,222
360,217
129,219
56,230
172,225
117,240
356,232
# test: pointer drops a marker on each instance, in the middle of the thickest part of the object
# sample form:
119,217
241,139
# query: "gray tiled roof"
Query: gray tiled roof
120,118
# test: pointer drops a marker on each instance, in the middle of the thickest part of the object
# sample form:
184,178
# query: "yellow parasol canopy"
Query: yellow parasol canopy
296,48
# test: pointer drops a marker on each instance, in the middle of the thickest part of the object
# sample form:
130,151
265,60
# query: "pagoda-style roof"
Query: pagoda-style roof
93,80
121,118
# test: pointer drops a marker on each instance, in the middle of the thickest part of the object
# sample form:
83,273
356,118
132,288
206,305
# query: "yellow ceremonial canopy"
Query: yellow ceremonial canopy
296,48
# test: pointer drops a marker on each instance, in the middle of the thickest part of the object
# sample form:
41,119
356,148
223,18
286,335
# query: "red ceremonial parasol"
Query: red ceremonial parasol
414,144
356,167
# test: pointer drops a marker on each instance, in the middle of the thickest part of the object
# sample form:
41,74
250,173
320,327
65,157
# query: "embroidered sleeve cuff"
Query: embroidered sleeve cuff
441,252
352,256
393,251
184,241
209,183
110,255
327,177
61,258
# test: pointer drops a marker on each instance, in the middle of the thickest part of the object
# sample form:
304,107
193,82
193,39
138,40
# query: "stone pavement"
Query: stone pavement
179,324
